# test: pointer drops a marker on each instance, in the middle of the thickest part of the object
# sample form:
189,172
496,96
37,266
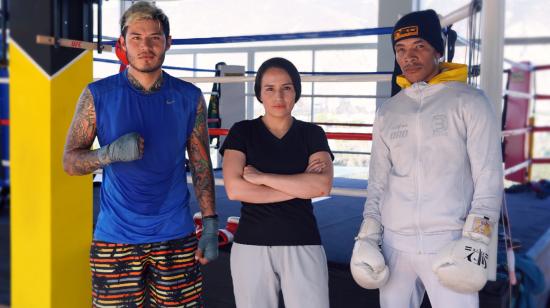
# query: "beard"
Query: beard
146,68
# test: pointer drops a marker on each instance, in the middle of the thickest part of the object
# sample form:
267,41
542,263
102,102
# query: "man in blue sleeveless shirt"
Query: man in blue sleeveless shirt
144,245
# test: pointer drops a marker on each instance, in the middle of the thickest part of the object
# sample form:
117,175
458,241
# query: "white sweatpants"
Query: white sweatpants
259,272
410,275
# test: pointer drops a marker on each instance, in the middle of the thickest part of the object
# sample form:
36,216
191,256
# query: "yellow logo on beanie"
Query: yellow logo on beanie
405,32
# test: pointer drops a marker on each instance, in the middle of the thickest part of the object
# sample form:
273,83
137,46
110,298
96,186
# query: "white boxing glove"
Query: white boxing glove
462,265
368,267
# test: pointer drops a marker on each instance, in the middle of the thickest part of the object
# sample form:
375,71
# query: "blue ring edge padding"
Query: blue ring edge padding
277,37
248,72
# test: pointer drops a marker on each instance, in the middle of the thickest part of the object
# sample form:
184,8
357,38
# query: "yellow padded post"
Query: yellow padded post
51,213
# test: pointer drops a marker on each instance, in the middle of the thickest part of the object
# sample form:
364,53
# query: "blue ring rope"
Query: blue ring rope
164,66
248,72
278,37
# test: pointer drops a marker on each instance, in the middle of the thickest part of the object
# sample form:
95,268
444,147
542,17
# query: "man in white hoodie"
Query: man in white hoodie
435,180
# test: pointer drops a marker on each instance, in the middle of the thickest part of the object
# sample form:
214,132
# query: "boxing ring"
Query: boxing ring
340,215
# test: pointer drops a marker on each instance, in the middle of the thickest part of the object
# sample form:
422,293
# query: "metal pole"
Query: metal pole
99,28
492,50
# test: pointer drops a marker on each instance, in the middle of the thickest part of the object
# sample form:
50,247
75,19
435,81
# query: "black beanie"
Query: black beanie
283,64
422,24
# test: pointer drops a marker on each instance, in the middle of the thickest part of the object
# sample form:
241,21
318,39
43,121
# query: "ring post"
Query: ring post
50,212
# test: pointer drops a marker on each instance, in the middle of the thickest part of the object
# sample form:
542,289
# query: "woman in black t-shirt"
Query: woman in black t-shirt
274,165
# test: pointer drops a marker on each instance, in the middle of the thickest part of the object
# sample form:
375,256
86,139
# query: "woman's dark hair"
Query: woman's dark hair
283,64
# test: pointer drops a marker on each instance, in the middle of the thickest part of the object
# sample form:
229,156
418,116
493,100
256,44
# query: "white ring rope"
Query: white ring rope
307,78
517,167
516,132
517,94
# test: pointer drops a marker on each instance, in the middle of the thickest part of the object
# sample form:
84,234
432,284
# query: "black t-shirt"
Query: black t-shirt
282,223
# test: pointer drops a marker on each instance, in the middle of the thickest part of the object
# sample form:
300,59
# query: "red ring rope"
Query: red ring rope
330,135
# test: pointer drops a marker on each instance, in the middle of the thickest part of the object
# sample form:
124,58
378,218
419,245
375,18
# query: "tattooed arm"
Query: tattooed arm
200,163
78,158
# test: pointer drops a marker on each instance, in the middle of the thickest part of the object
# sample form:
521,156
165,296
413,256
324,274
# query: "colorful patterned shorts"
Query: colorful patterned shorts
163,274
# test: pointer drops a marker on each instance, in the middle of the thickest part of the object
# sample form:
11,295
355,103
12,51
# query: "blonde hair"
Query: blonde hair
144,10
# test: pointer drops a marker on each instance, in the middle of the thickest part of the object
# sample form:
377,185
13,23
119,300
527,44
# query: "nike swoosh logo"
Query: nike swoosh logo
170,101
